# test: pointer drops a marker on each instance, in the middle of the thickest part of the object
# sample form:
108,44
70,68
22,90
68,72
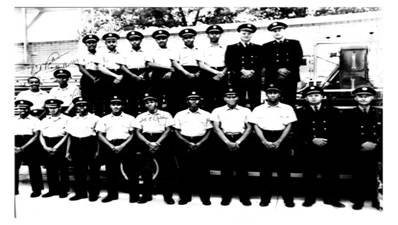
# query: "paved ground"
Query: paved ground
62,211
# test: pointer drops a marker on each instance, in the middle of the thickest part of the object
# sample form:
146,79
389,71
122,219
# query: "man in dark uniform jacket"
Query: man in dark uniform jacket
282,59
244,66
318,134
364,123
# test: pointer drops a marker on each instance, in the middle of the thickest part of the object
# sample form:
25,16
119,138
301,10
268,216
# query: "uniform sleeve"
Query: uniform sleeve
36,124
80,59
169,120
208,121
76,92
290,115
174,55
253,117
132,123
177,123
137,123
101,126
247,115
214,116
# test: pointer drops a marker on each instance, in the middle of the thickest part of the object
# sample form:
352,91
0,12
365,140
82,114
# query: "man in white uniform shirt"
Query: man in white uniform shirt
231,125
90,85
64,92
213,79
82,150
187,68
272,123
192,127
161,77
26,133
153,128
135,70
110,61
116,131
53,139
34,95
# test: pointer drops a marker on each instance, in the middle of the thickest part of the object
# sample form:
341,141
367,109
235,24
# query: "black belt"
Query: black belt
218,68
272,135
83,138
233,136
137,70
194,138
191,69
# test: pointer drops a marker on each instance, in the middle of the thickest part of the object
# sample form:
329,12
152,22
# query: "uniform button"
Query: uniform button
313,121
277,60
362,133
361,126
324,121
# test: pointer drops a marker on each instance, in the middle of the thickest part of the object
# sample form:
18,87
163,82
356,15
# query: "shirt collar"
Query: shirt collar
121,115
278,105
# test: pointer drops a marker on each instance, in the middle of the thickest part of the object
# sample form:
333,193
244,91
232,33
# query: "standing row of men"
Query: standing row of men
135,142
172,73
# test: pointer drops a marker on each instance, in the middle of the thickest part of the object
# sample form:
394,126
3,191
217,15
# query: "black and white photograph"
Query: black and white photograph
185,114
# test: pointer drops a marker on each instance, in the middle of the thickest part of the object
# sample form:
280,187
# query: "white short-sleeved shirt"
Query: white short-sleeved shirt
231,120
37,98
187,56
54,126
82,126
135,59
66,94
88,59
154,122
116,127
192,124
25,126
213,55
161,56
273,118
111,60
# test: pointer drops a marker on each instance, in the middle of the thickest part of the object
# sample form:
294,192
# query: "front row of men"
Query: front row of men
135,142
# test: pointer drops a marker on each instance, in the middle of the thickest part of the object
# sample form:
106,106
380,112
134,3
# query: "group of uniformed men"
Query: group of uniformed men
215,78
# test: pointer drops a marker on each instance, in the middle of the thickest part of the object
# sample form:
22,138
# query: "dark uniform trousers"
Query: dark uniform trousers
212,90
181,86
94,92
106,89
113,163
31,156
162,88
133,89
238,57
287,54
275,161
57,167
323,123
365,127
166,162
193,170
234,161
85,165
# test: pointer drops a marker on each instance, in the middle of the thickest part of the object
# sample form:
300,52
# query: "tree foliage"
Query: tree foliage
118,19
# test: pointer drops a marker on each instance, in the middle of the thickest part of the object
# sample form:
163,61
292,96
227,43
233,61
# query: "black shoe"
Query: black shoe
225,201
35,194
109,198
289,204
49,194
245,201
357,205
183,201
376,205
63,195
169,200
133,198
206,201
265,202
308,202
93,198
144,199
334,203
77,197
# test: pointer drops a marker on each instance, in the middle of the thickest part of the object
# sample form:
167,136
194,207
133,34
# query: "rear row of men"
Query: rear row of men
135,141
172,73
